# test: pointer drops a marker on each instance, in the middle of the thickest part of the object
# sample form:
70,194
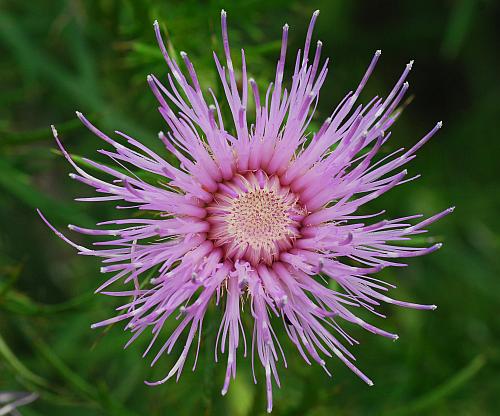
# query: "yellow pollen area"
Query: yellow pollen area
259,218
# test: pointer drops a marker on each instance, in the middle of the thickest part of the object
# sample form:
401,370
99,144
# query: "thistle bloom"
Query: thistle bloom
258,213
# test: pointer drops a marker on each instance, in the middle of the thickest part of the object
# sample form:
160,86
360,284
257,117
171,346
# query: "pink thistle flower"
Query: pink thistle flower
255,213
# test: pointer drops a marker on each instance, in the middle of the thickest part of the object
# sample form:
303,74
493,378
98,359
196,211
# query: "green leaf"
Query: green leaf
449,387
18,367
19,185
19,303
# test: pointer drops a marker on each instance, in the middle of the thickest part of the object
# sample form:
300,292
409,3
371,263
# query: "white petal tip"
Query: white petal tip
155,23
183,54
71,226
434,307
451,209
410,64
378,52
79,114
439,124
223,13
72,175
316,12
286,26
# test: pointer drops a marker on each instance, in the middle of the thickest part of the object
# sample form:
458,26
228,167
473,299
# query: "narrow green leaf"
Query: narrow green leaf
18,367
19,184
449,387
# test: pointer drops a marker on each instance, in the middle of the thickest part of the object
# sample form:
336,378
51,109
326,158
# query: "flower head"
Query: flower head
256,212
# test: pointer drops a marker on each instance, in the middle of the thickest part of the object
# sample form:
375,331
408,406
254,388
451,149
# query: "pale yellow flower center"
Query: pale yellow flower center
259,218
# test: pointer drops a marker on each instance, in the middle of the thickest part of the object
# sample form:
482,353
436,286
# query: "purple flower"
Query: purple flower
257,213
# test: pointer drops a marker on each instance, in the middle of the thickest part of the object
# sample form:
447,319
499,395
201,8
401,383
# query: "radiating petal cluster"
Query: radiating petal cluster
256,212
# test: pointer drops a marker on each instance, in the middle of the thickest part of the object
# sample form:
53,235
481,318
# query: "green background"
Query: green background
93,56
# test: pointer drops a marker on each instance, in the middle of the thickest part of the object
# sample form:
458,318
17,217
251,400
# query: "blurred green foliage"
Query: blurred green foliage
62,55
